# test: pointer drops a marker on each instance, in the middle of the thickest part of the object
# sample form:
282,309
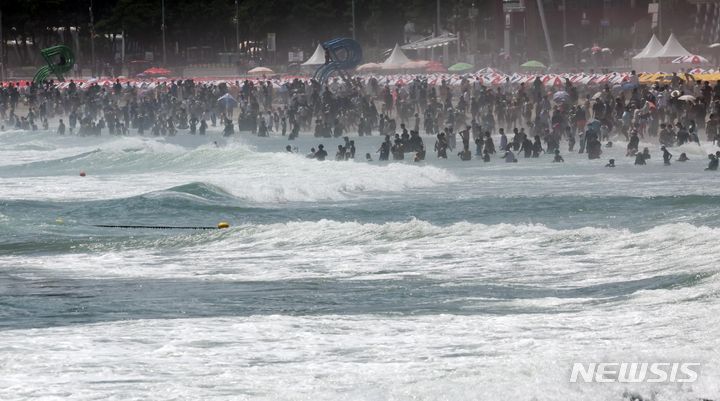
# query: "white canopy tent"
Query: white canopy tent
396,60
671,51
318,58
644,61
672,48
653,46
654,59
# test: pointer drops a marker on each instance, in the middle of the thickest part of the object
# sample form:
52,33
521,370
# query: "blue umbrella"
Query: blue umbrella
227,101
628,86
561,96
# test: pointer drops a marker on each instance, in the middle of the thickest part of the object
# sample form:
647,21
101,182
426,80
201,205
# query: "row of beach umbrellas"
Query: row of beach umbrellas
434,66
164,72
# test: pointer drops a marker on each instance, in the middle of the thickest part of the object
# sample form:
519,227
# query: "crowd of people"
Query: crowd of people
528,120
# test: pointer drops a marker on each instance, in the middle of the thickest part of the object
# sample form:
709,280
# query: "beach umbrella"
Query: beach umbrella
687,98
435,66
566,45
156,71
227,101
416,65
460,67
691,59
561,97
714,45
368,67
628,86
260,71
533,64
597,96
489,70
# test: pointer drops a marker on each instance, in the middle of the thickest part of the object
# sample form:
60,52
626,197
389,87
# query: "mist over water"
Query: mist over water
347,280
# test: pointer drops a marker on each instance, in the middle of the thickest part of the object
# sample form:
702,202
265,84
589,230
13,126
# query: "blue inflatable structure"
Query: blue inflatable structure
344,54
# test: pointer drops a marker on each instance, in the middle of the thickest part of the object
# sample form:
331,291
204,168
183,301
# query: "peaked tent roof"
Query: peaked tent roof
653,46
672,48
317,58
430,42
397,58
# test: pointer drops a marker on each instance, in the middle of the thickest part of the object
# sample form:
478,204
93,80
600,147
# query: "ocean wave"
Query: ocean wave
531,254
246,174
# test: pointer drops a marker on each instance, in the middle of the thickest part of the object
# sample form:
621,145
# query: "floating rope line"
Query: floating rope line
221,225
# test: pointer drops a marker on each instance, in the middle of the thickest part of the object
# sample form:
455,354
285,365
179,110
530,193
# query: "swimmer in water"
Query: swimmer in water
509,156
611,163
633,144
558,158
321,154
368,158
384,149
646,153
311,155
713,165
420,154
340,154
640,160
666,156
465,154
683,157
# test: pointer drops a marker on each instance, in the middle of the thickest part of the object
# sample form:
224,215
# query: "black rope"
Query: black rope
157,227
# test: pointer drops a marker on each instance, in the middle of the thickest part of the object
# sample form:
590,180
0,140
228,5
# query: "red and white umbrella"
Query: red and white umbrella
691,59
157,71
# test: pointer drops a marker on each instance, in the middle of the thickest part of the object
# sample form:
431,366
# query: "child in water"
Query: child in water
558,158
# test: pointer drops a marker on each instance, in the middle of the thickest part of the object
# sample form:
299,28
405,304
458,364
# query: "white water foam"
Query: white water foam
443,357
531,255
132,166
